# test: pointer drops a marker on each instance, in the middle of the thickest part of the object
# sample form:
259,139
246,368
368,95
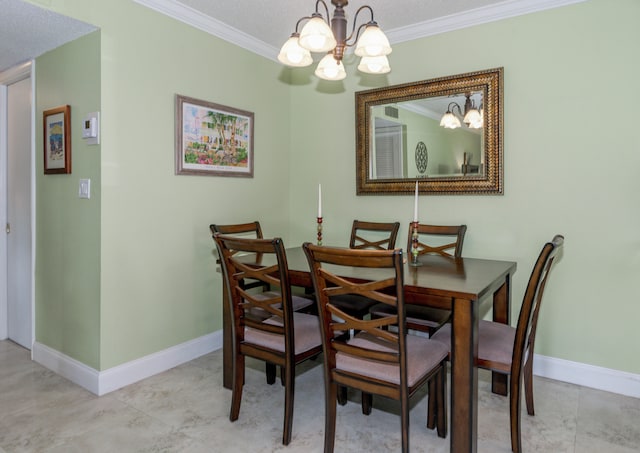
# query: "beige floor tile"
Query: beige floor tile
186,410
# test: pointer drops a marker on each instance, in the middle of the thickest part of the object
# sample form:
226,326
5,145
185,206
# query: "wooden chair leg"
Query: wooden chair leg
432,401
528,385
404,421
289,390
441,398
342,395
367,402
330,417
236,391
514,415
270,370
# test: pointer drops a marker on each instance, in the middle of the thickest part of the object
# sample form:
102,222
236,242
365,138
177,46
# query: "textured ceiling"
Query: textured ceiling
276,19
27,31
262,26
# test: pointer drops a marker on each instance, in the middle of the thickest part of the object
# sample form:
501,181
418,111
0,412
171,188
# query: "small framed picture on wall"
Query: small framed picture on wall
57,140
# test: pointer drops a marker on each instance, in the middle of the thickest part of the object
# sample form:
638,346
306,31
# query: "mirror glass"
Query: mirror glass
445,133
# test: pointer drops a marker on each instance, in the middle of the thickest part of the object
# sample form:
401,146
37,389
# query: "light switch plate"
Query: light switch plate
84,189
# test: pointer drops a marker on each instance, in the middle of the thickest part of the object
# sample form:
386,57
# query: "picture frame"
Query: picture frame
212,139
57,140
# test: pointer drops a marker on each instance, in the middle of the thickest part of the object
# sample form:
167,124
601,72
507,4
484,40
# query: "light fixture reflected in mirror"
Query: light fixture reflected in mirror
329,34
472,116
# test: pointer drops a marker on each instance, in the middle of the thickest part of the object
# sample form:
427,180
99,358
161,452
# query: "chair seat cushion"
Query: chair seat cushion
495,341
306,334
423,355
298,302
416,314
353,304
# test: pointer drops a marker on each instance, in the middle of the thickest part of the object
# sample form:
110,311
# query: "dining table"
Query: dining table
458,284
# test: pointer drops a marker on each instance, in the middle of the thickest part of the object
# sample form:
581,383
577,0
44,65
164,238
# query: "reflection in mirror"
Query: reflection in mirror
455,149
446,133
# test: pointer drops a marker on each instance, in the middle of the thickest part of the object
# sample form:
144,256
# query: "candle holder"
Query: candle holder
414,245
319,219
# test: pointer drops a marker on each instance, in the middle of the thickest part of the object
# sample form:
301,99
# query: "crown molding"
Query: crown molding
470,18
210,25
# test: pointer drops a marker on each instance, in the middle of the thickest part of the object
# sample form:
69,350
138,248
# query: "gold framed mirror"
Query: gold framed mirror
402,136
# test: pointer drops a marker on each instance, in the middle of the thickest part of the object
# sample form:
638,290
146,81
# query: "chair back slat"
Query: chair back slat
238,267
450,249
251,230
528,319
373,235
387,289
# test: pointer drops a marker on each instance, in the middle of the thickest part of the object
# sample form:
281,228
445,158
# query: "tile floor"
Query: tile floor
186,410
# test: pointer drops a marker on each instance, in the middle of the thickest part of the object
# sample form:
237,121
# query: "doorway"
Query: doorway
17,205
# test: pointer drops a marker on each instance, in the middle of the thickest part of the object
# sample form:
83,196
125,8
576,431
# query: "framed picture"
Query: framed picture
213,139
57,140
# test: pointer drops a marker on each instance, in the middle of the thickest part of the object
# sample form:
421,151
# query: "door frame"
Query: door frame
12,75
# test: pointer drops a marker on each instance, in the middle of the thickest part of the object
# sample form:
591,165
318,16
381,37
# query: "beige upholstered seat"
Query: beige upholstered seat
375,360
509,350
284,338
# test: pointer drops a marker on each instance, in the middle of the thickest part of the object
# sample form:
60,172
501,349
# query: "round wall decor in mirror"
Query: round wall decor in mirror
422,157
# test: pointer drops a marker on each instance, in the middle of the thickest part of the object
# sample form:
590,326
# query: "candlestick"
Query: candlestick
319,230
414,245
415,205
320,201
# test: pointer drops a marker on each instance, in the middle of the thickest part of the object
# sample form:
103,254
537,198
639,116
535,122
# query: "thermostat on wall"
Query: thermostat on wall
91,128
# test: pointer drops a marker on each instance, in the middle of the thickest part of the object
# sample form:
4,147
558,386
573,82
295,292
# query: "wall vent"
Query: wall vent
391,111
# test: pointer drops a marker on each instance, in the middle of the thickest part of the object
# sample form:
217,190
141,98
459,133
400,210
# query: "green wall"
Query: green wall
571,154
158,286
569,168
67,291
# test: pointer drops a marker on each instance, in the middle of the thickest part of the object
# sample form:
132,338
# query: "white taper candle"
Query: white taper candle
319,200
415,205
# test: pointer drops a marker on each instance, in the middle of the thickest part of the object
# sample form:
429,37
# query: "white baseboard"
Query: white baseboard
103,382
596,377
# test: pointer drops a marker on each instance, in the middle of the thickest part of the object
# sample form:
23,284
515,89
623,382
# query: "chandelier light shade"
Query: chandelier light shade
374,65
330,69
292,54
473,116
373,42
449,120
323,33
316,36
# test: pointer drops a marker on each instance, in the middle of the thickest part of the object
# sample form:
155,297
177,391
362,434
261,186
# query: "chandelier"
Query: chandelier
323,35
473,116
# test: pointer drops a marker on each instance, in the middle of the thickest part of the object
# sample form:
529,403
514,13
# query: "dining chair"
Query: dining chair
375,360
510,350
370,236
300,303
373,235
444,240
285,338
250,229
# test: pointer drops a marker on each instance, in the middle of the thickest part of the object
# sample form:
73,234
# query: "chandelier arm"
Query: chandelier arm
355,21
451,109
326,8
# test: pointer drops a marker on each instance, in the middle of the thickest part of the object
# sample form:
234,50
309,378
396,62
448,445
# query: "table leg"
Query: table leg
464,376
227,364
502,314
